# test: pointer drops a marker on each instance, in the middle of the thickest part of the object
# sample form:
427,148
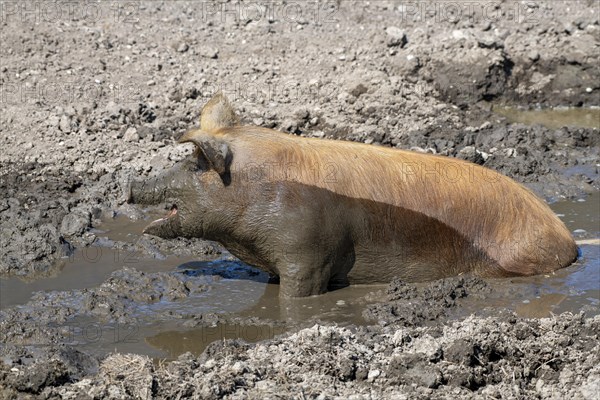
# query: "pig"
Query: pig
322,214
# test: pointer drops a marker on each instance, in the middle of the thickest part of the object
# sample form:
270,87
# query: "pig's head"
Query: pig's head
192,189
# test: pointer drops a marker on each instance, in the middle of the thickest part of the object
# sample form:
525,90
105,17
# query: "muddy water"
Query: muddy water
88,267
553,118
177,342
572,289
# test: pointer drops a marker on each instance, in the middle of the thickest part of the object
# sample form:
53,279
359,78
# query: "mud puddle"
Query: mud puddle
161,341
573,289
176,342
342,307
553,118
89,266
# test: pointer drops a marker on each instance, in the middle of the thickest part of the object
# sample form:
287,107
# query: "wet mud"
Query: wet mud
90,308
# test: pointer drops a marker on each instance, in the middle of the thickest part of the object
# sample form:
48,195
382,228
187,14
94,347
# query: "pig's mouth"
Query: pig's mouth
165,226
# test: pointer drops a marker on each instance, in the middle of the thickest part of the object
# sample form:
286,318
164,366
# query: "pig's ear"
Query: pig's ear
217,114
214,151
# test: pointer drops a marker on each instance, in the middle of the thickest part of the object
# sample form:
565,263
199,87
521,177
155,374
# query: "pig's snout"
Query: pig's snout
150,191
168,227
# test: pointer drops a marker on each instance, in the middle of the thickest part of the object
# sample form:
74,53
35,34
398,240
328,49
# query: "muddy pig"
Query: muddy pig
327,213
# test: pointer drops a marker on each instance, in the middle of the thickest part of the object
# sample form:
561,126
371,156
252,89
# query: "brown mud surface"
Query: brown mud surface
95,94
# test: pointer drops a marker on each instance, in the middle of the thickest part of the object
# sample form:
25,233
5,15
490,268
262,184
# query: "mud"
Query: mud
498,357
90,101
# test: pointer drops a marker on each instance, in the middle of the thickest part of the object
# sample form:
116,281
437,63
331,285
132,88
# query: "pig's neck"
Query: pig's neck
239,223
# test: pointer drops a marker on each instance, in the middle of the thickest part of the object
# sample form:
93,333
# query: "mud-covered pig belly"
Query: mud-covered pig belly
400,243
377,264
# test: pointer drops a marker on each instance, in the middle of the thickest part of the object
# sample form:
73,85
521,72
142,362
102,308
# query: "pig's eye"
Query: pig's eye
201,164
194,164
200,159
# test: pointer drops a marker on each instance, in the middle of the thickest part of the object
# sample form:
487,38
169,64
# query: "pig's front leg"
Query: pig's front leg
307,270
303,278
